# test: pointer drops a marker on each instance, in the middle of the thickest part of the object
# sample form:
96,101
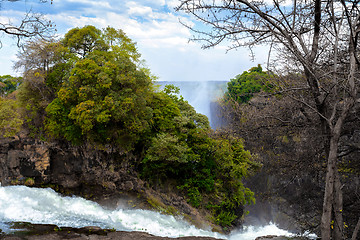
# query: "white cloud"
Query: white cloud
172,3
154,2
8,55
76,21
170,42
7,19
91,3
139,10
159,29
11,17
144,21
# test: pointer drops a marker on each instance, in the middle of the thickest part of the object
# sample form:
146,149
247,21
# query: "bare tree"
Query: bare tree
318,39
32,25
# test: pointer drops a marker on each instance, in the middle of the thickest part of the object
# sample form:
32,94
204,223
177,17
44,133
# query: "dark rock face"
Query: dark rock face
98,175
70,168
295,202
292,203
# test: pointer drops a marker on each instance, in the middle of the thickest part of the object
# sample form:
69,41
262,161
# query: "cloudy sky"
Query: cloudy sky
153,24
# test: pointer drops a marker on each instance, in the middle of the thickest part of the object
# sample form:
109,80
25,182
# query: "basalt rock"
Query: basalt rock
291,202
99,175
294,202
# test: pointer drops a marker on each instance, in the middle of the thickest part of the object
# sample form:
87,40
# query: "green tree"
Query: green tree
36,60
8,84
104,96
84,40
10,118
243,86
33,97
104,100
120,43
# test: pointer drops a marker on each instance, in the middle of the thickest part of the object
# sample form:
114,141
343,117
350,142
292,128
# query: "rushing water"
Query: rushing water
45,206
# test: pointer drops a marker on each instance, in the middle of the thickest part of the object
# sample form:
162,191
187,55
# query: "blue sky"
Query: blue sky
153,24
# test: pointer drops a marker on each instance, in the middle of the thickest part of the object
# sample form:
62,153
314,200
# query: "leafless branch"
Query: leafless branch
33,25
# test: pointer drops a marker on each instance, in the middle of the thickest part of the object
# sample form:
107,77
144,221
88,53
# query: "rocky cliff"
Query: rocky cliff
294,202
99,175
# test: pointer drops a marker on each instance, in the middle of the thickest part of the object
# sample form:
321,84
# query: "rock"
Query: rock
128,186
52,232
290,202
272,237
13,158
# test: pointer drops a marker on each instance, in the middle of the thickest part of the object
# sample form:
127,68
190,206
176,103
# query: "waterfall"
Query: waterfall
201,95
45,206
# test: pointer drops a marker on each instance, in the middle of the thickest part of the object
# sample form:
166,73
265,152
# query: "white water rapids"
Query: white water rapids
45,206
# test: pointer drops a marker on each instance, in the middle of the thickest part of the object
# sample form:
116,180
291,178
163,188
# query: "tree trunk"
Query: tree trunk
333,196
329,189
356,230
338,208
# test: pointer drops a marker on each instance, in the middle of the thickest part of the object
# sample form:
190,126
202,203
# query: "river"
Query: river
45,206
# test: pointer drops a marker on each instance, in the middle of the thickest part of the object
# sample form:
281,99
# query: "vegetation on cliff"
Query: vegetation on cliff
286,135
318,40
91,87
243,87
10,118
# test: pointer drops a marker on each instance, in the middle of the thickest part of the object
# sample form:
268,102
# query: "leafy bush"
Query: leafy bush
225,218
10,118
243,86
8,84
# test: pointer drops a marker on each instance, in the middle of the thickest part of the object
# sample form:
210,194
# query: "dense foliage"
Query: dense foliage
91,87
8,84
209,168
10,118
243,87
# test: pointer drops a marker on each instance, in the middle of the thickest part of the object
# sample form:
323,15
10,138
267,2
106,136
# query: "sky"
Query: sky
153,24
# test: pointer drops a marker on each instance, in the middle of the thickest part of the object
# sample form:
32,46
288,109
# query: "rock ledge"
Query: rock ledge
28,231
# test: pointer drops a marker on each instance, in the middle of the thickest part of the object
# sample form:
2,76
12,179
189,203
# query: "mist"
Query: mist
203,96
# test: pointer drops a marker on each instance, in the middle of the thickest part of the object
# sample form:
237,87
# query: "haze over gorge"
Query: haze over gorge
203,96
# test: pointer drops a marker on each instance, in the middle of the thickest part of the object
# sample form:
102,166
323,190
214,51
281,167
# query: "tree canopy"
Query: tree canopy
10,117
8,84
105,96
245,85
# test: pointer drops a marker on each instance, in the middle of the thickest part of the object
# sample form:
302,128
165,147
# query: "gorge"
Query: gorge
74,170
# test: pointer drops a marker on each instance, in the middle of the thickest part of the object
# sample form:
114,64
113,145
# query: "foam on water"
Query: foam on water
45,206
251,232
